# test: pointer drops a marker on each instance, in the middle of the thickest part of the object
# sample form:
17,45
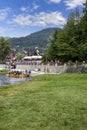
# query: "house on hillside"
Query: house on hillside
35,56
11,57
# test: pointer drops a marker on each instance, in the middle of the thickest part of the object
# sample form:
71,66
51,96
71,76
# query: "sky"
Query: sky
22,17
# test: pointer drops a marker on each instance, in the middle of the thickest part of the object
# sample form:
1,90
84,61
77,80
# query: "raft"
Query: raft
19,73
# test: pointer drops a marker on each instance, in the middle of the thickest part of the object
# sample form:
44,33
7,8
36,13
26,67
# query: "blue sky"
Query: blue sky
22,17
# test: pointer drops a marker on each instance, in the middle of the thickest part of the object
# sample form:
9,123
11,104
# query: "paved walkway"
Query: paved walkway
35,73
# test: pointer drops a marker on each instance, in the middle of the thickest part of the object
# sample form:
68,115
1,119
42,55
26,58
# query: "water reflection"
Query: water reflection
4,80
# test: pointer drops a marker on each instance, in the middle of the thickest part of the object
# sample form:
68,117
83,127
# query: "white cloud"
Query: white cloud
53,18
1,30
4,13
35,6
27,9
22,20
54,1
74,3
23,9
41,19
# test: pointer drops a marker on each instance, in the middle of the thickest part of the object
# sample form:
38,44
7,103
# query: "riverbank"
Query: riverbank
51,69
50,102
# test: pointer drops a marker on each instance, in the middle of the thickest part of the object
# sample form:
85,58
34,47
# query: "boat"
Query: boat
16,73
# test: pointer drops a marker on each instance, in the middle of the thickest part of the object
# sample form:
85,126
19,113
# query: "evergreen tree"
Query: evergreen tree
4,49
64,45
52,49
84,22
71,42
83,26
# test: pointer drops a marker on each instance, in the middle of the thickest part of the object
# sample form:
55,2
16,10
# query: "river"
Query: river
4,80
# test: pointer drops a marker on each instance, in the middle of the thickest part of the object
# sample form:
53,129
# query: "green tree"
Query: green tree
19,56
65,43
71,42
52,49
84,21
83,26
4,48
73,35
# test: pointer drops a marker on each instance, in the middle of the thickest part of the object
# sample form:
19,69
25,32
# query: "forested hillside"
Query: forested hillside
40,39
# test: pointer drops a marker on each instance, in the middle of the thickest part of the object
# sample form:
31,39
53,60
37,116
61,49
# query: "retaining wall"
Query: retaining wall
43,68
51,68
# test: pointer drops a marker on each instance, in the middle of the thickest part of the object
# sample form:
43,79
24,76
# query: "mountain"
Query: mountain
39,39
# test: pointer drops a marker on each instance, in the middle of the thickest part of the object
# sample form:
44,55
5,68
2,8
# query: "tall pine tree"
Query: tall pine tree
71,42
83,26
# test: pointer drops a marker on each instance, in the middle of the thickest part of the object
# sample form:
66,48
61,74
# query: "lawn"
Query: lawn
48,102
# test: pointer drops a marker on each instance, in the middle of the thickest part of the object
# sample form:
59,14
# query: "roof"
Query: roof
32,57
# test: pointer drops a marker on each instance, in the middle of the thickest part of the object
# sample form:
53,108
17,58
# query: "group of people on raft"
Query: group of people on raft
19,73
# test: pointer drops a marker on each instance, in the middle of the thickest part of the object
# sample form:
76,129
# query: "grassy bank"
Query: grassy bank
3,72
50,102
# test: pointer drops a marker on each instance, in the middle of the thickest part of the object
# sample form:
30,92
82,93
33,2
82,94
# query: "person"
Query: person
26,71
45,70
29,73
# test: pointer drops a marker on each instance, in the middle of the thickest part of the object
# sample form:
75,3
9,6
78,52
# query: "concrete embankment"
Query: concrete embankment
2,66
50,68
44,68
39,68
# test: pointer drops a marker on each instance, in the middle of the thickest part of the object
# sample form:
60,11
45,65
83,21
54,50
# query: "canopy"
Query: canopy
32,57
27,58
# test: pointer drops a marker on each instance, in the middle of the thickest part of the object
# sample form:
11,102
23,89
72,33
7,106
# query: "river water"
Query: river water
4,80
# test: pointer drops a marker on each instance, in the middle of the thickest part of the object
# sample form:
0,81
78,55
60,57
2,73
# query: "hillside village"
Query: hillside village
25,46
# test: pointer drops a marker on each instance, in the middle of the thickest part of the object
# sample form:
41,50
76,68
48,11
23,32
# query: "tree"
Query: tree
19,56
4,48
83,26
64,46
71,42
52,49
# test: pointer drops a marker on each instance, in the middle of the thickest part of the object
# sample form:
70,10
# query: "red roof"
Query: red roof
11,56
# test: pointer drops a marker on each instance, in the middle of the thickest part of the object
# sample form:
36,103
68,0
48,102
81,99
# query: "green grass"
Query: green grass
49,102
3,72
